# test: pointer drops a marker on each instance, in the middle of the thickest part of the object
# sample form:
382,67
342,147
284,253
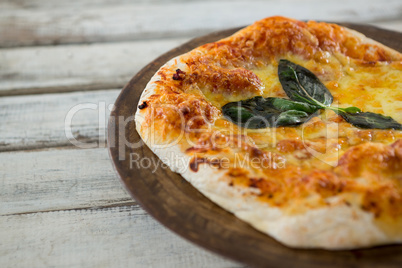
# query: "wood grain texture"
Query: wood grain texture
32,181
62,24
39,121
123,236
78,4
37,70
180,207
82,67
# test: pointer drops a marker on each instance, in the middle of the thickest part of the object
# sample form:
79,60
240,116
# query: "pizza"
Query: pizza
294,127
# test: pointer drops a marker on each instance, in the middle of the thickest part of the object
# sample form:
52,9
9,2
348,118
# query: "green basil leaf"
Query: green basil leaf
302,85
350,110
371,120
291,117
285,105
258,112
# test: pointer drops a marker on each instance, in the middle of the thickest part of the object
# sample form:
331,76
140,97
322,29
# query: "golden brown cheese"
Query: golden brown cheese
299,166
225,81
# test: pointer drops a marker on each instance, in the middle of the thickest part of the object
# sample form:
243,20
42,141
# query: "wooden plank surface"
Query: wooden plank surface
56,179
39,121
76,67
86,218
78,4
109,237
142,20
31,70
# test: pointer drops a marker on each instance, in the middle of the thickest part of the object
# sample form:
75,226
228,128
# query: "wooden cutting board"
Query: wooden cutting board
181,208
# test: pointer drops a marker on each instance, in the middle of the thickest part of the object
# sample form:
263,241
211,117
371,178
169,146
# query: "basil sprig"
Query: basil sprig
307,96
258,112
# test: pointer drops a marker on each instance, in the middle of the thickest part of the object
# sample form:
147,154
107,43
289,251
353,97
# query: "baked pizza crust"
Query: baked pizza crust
337,225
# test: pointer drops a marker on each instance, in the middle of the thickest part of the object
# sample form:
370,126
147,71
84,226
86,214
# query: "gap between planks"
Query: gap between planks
38,147
115,204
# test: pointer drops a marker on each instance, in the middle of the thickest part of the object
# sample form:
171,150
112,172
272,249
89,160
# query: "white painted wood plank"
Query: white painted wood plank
395,25
74,24
85,67
37,121
57,179
109,237
51,4
76,67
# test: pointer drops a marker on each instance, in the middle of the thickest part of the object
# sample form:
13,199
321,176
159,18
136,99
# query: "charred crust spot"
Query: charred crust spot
254,183
195,163
196,150
179,75
255,152
143,105
185,110
265,186
372,207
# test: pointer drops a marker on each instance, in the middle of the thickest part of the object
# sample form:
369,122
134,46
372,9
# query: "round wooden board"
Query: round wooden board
180,207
